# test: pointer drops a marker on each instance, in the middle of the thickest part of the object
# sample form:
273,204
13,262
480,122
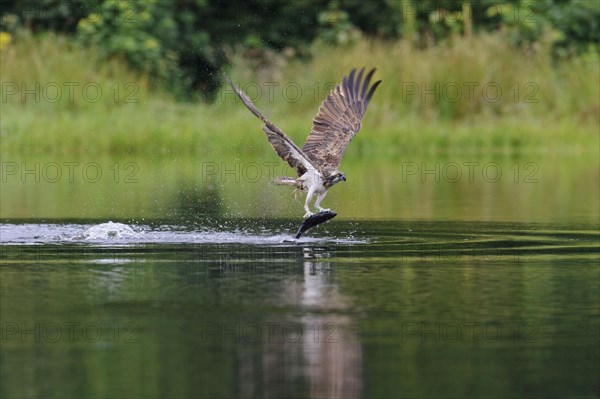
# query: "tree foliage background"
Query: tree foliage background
183,44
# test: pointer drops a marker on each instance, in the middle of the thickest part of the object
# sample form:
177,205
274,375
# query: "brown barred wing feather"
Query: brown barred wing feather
281,143
338,120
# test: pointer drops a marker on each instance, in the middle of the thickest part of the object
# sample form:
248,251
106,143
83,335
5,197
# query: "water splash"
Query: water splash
111,233
108,231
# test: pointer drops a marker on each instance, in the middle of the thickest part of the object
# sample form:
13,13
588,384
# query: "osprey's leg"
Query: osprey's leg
309,196
318,202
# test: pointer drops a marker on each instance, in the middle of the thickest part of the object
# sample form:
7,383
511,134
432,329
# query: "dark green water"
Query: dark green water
467,277
357,309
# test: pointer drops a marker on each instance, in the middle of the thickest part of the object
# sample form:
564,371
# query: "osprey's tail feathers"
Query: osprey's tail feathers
288,181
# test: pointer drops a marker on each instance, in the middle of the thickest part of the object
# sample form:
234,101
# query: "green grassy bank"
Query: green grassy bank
468,95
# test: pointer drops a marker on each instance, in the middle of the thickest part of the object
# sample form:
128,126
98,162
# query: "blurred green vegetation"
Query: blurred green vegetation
183,45
102,77
472,94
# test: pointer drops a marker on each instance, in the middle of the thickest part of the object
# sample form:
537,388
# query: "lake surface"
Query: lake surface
419,288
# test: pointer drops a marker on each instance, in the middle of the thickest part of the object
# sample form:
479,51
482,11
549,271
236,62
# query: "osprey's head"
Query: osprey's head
334,178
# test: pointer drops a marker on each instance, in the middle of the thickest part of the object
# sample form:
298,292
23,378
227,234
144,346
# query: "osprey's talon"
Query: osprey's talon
308,214
323,209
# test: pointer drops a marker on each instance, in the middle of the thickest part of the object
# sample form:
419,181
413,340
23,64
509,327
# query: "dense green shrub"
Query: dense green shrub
183,43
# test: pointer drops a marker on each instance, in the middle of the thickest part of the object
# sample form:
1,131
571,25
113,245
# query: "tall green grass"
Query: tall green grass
545,106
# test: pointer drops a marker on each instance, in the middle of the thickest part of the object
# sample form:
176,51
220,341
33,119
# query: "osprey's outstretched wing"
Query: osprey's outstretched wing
283,146
338,120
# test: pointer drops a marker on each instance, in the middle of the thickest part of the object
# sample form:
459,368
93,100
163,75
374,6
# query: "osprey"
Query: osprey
336,123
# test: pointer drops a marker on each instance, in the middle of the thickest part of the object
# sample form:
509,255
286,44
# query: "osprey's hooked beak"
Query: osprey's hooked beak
343,177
